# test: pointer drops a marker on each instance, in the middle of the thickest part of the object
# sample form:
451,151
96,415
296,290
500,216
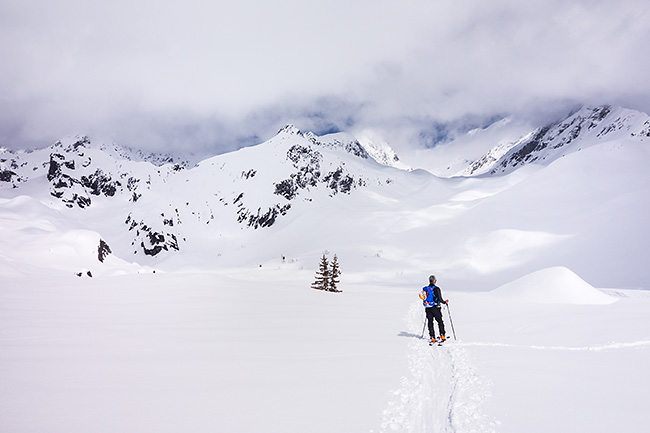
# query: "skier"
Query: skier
432,299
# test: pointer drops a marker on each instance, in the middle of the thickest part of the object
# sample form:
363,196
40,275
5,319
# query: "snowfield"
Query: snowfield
545,267
259,351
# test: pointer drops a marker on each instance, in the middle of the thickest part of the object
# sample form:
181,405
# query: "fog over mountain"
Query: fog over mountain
211,78
177,178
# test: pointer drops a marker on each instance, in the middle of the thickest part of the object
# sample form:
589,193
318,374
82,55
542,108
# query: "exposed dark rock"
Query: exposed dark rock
302,156
248,174
286,188
152,242
291,130
6,175
525,152
338,182
55,166
266,219
103,250
79,200
100,183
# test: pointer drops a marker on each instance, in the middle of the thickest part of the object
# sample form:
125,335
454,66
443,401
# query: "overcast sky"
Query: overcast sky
214,75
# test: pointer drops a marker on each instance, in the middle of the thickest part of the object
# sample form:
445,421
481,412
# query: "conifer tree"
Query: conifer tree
335,272
322,275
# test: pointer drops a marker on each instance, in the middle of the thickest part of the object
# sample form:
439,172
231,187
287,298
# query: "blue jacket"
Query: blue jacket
432,296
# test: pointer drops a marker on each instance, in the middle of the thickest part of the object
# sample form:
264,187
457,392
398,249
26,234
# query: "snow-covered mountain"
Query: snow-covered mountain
586,127
153,209
380,150
199,311
267,201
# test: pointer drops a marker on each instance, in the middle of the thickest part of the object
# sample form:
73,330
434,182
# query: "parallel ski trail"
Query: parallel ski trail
598,348
443,394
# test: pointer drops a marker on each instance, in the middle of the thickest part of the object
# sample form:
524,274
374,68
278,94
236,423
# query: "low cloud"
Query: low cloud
212,78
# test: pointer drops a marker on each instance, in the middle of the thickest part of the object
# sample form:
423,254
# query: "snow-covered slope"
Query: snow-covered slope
452,158
138,297
380,150
556,285
297,194
143,210
586,127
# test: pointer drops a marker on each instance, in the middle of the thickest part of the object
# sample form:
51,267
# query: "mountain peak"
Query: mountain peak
290,130
82,143
73,143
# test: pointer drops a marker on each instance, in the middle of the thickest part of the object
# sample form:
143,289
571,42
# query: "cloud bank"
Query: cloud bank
214,76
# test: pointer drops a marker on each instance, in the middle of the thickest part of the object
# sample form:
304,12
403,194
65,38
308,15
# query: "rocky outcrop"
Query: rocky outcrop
150,241
587,125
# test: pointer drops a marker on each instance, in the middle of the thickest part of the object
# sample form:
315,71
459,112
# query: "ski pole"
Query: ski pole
424,326
450,321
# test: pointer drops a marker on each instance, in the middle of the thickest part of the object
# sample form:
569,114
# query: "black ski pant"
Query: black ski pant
434,313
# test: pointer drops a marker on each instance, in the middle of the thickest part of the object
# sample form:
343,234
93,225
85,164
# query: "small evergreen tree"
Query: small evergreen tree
335,272
322,275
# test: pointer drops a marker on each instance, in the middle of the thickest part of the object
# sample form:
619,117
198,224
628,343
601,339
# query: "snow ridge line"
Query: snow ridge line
599,348
442,393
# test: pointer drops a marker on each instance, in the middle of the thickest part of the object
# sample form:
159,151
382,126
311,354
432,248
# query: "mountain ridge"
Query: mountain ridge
286,168
298,194
548,143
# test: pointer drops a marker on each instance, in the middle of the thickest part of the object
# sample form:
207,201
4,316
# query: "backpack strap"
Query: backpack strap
436,301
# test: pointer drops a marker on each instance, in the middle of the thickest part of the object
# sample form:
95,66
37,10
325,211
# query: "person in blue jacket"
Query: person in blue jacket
432,299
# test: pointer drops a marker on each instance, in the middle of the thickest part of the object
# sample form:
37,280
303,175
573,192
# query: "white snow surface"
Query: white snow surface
545,269
554,285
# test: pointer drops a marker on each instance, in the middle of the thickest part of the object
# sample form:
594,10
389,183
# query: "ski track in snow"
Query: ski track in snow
443,394
602,347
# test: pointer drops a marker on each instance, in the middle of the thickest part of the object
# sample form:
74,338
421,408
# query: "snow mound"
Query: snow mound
557,285
36,239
